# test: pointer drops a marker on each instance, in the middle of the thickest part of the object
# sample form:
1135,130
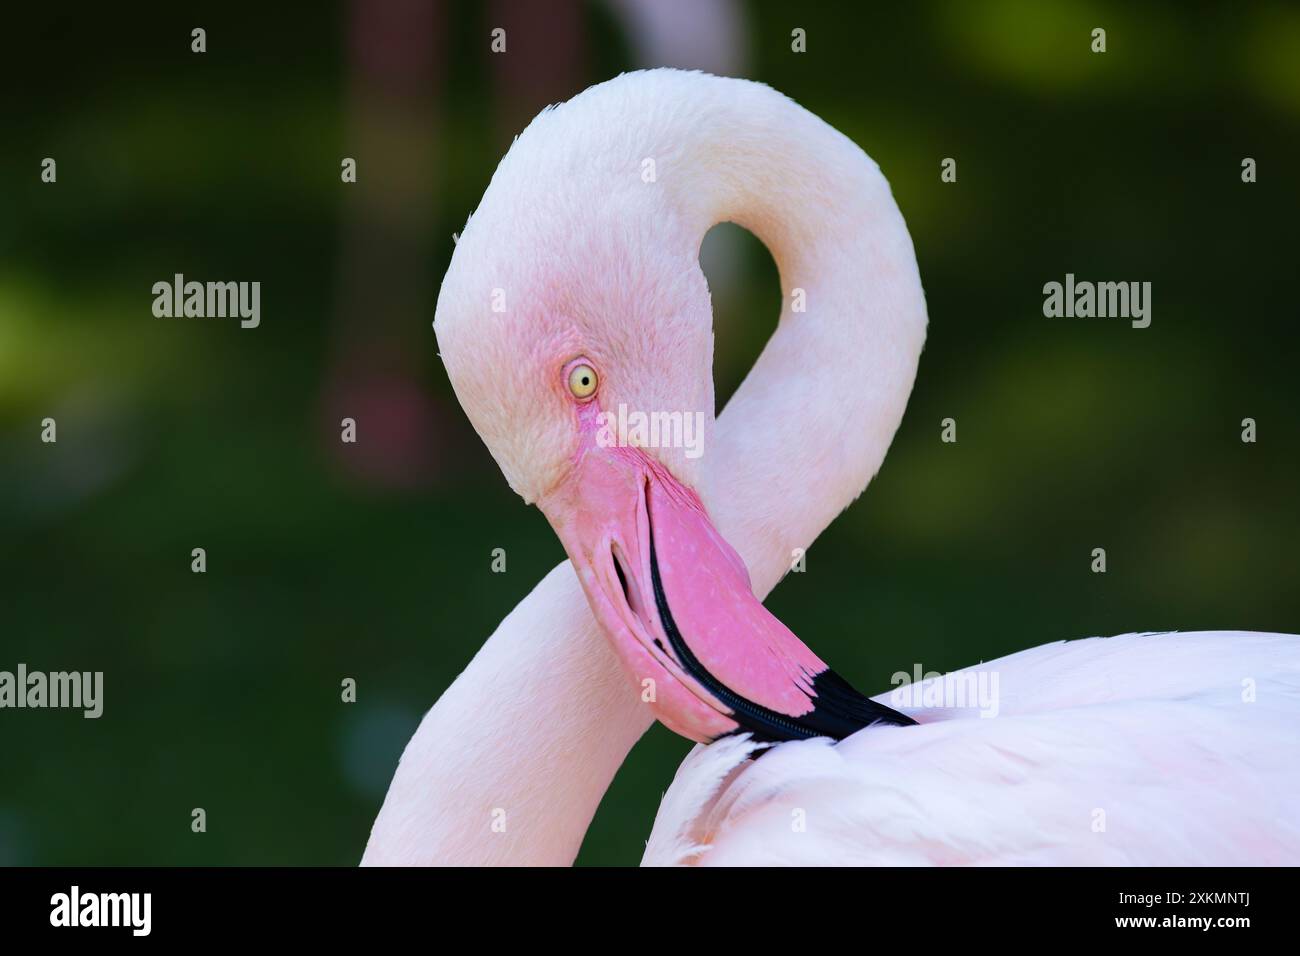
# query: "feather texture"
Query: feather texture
1172,749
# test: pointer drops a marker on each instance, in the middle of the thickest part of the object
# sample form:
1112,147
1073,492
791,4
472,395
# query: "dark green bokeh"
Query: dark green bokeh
222,690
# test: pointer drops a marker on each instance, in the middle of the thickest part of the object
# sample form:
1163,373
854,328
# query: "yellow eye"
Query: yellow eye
582,381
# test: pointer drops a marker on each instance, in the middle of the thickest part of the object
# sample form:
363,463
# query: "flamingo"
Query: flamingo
574,289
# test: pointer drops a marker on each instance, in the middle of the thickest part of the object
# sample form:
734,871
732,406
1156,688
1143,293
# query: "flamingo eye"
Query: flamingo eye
582,381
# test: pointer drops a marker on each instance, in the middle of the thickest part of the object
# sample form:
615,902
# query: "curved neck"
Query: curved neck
811,423
510,764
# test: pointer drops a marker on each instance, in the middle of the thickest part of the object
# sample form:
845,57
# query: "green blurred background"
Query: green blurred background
372,560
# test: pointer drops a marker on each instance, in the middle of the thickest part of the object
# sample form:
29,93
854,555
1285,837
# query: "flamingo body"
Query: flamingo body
1142,750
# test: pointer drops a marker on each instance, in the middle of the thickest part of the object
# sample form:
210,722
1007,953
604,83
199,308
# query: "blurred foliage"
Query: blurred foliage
222,689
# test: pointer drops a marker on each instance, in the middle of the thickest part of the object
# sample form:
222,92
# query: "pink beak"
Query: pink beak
675,601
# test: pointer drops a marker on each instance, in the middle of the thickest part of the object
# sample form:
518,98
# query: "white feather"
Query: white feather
1140,749
673,840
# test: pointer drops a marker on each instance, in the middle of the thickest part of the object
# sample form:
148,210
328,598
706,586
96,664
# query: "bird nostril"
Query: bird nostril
622,578
628,582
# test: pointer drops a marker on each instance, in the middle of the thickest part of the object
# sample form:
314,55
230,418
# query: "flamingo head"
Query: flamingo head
576,328
545,335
